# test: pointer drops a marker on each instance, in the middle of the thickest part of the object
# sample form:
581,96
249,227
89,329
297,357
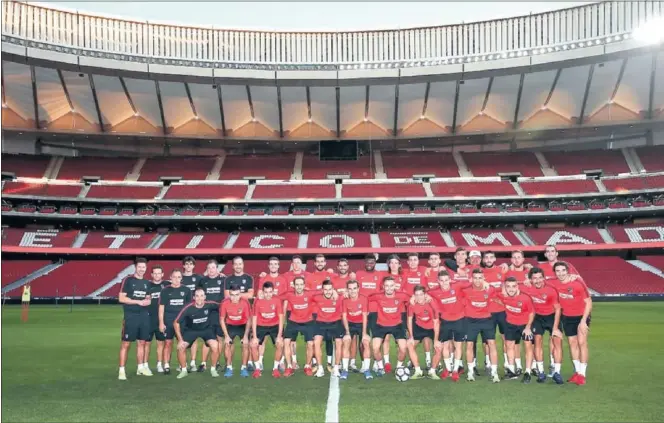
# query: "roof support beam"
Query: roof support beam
586,93
221,110
456,106
366,103
281,117
395,128
35,97
2,85
251,103
553,87
515,122
308,103
126,91
338,94
619,80
426,99
191,100
64,88
651,97
96,100
488,93
161,107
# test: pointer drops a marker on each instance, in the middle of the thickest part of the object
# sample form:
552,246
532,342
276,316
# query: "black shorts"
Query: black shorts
419,333
154,329
169,319
329,331
500,320
571,324
264,331
371,321
355,329
293,329
235,331
453,330
543,324
190,336
136,326
485,327
214,319
514,333
398,331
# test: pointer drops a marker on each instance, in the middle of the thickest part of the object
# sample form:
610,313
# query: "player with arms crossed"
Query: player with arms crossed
450,303
519,320
193,322
370,281
267,320
355,321
172,300
576,306
391,307
299,304
136,323
547,319
234,319
423,323
479,321
328,326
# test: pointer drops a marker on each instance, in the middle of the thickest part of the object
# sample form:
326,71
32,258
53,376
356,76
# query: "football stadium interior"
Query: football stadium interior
126,138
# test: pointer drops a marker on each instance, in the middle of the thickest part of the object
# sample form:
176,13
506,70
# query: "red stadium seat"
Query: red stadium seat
24,165
205,192
275,166
123,192
472,189
634,184
558,187
493,164
612,162
314,168
107,168
651,158
402,190
12,188
294,191
13,270
188,168
405,165
613,275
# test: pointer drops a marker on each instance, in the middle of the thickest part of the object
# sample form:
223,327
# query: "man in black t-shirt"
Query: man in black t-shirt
213,284
136,323
242,280
196,321
191,281
172,300
154,290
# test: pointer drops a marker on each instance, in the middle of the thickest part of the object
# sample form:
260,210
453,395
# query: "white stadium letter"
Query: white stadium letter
412,239
346,241
634,234
119,239
39,239
193,243
564,237
488,240
256,241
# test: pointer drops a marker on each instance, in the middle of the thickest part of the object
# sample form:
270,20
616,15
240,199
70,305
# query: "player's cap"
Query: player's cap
475,253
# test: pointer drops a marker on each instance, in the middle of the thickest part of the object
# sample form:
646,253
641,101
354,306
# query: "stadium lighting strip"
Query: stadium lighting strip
323,67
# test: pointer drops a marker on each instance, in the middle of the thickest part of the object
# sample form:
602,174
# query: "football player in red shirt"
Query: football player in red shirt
576,307
268,320
280,283
314,282
395,271
371,282
423,323
300,306
450,303
520,316
475,259
547,319
234,316
415,275
518,269
355,321
328,326
494,275
391,307
478,318
435,266
343,275
551,254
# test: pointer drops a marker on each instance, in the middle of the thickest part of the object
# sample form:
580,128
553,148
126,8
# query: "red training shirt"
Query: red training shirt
339,282
494,277
301,307
517,308
412,278
354,308
572,296
390,308
281,285
328,310
520,275
549,274
267,311
370,283
477,302
450,303
315,279
544,299
235,314
424,314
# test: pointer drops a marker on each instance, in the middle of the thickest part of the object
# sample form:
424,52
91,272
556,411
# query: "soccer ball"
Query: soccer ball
402,374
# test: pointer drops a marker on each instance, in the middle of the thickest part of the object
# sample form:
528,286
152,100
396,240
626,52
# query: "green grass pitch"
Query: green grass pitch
62,366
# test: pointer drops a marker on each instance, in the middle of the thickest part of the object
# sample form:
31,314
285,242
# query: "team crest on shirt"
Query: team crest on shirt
206,312
518,304
569,290
452,291
486,297
271,306
193,279
182,294
218,282
544,296
396,302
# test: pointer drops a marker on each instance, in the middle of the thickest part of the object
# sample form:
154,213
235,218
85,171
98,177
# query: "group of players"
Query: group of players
442,307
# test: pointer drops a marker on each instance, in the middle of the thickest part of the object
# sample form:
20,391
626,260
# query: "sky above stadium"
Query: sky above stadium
318,16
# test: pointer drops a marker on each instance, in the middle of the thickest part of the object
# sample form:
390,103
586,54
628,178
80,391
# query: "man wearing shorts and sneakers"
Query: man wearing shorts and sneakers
355,320
267,321
423,323
234,320
172,300
194,322
519,319
135,302
328,327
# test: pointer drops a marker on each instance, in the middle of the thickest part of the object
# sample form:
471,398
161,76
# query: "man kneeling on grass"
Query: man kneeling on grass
193,322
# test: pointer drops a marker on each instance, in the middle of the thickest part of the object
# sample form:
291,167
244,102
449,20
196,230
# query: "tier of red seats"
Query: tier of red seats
75,278
25,166
205,192
613,275
118,240
13,270
275,166
566,236
405,165
189,168
654,261
402,190
472,189
123,191
651,158
294,191
40,190
558,187
612,162
637,233
314,168
188,240
492,164
107,168
634,184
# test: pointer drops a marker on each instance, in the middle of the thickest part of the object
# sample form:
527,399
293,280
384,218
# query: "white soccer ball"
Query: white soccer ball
402,374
